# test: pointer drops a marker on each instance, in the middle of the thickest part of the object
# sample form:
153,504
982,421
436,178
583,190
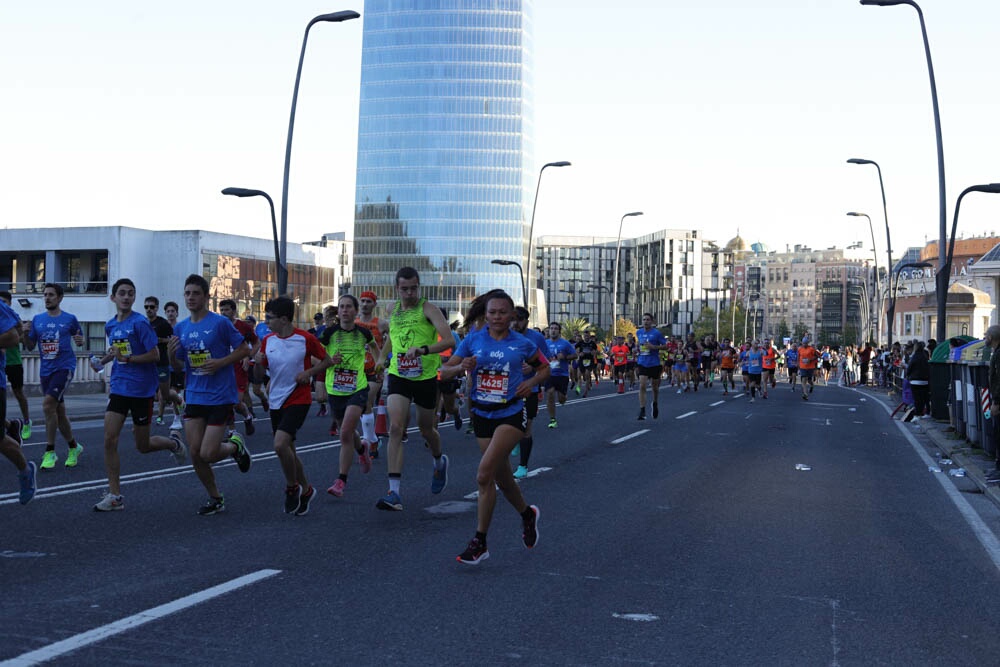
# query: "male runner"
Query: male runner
792,362
560,353
587,352
709,352
378,329
632,346
171,310
808,360
412,350
769,364
619,361
15,374
52,332
651,341
163,332
10,437
258,384
227,308
692,354
206,346
520,325
133,345
755,360
727,365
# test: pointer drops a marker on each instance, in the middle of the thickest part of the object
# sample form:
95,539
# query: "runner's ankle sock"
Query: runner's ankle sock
342,477
526,445
71,443
528,513
438,463
482,538
394,482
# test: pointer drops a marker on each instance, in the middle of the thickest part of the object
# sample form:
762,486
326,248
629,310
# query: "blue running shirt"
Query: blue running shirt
498,371
54,336
134,335
214,337
649,358
558,367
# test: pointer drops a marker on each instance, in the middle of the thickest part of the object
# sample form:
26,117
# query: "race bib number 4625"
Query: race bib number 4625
491,386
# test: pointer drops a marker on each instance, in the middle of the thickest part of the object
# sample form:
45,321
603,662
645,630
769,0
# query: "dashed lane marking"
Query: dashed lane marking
685,415
627,437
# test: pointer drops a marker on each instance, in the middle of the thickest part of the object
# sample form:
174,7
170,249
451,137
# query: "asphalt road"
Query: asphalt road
695,538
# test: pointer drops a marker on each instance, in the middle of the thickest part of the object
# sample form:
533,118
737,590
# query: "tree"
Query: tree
705,324
799,331
626,327
574,326
727,317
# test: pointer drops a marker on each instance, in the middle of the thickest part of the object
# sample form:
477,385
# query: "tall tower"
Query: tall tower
444,146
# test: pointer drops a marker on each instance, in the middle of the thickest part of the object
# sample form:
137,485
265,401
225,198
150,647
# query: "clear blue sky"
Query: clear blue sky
712,115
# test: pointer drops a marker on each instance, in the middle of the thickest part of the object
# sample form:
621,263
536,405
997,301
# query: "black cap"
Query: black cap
318,316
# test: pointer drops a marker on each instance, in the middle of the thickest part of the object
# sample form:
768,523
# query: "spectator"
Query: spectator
865,359
918,372
993,340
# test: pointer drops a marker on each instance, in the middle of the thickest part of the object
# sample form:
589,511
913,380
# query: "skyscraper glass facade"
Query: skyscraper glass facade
444,146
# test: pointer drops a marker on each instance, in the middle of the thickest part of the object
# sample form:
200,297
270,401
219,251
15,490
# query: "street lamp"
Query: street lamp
878,313
618,252
942,277
992,188
335,17
531,229
600,287
895,288
510,262
278,259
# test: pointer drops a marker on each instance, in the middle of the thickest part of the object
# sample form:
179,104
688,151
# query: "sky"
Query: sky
709,115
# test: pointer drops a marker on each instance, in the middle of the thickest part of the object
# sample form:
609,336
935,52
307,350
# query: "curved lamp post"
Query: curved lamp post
335,17
531,229
278,259
618,252
878,314
942,276
510,262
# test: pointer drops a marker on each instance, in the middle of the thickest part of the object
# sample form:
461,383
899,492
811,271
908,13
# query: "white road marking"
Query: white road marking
101,633
712,405
627,437
643,618
738,395
685,415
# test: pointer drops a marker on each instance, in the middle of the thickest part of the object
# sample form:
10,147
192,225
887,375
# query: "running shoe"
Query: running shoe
49,459
374,449
177,424
14,430
516,451
292,495
248,425
440,478
304,499
28,481
474,553
212,506
458,421
73,455
804,397
267,408
180,450
390,501
577,390
159,421
553,423
322,410
110,503
680,391
338,488
26,430
364,457
642,414
470,430
521,472
530,534
656,410
242,454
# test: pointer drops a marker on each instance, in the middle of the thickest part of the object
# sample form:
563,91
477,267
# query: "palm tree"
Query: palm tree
574,326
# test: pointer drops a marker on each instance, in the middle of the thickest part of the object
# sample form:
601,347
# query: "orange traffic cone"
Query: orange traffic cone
381,423
621,386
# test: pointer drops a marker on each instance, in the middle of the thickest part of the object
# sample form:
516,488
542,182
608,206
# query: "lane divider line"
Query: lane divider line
629,436
686,415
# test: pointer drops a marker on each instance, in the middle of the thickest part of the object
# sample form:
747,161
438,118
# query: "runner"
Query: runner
769,363
495,355
378,330
826,359
258,383
755,360
171,309
727,365
10,439
163,332
413,349
52,332
792,362
448,389
692,355
560,353
745,366
206,345
808,359
651,341
523,448
15,373
680,369
319,324
347,386
134,348
619,360
709,352
286,354
587,354
227,308
633,347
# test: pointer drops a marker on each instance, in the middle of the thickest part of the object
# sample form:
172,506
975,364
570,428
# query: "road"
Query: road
722,533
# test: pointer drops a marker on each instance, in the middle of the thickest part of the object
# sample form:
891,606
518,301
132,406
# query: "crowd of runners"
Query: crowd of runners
209,367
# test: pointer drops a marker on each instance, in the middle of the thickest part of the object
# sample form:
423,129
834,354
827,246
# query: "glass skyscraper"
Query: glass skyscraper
444,180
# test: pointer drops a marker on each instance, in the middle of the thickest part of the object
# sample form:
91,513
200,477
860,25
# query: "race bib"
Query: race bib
554,363
409,368
197,360
50,349
345,381
586,362
643,349
491,386
123,346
